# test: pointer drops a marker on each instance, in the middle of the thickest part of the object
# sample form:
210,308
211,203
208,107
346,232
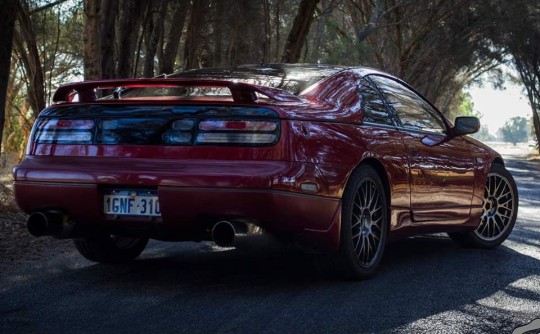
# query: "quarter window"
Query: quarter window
413,111
373,105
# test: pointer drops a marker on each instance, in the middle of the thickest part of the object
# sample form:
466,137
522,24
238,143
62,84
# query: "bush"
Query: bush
7,199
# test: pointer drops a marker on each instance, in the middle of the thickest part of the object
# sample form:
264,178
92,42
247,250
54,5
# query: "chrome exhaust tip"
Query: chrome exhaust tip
225,232
47,223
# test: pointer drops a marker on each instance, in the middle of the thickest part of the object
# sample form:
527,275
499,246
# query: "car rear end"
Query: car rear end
172,168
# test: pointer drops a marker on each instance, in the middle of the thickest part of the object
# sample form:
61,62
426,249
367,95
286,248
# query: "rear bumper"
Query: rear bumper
193,196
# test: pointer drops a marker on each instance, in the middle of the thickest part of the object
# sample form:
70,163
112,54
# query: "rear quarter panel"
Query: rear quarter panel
336,149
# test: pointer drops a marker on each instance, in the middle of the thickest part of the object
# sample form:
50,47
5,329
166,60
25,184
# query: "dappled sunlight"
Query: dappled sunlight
529,210
528,247
523,295
520,296
518,172
426,281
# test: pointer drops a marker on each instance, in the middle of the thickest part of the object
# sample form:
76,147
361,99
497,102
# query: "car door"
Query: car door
441,167
385,140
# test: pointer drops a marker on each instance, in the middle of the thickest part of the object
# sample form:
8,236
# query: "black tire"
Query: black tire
499,212
364,225
111,248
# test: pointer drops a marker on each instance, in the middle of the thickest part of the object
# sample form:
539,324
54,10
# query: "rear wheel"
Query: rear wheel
111,248
364,224
499,211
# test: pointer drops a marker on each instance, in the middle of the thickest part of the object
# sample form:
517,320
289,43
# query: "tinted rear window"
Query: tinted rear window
290,77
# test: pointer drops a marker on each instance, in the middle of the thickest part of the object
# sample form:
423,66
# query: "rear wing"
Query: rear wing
241,92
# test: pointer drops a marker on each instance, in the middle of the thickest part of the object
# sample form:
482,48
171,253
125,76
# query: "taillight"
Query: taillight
180,132
158,131
248,132
64,131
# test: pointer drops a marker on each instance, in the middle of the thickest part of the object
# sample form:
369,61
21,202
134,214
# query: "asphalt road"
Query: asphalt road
425,284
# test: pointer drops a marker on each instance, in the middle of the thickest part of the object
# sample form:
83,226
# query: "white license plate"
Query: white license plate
131,203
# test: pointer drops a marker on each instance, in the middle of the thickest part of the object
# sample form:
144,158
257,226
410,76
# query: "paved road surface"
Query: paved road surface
426,284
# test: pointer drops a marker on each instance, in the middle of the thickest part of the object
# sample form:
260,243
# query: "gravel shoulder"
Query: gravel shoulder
17,246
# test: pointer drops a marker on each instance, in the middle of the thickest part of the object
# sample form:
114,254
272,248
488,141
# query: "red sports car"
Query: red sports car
336,159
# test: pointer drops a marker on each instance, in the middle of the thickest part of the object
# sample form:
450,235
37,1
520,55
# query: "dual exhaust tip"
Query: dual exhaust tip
224,233
51,223
55,223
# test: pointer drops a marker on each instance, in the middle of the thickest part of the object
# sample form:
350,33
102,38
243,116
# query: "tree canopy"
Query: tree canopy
438,46
515,130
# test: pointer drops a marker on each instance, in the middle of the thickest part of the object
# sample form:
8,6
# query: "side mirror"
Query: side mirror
466,125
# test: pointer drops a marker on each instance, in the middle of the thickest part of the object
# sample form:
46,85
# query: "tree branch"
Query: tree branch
47,6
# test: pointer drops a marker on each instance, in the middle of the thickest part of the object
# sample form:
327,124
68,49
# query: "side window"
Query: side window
372,104
413,111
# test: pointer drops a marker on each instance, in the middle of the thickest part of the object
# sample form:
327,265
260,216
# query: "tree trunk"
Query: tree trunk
26,46
193,40
534,100
246,42
153,34
277,23
536,123
109,11
7,25
172,40
219,55
267,47
299,31
129,23
92,40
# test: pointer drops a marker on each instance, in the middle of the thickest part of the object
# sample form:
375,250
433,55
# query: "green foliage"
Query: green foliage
437,46
518,33
515,130
466,108
483,134
332,41
57,32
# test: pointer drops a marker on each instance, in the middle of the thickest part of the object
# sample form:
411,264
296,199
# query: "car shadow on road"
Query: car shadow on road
266,290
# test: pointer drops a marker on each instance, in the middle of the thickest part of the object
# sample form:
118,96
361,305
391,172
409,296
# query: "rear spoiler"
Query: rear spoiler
241,92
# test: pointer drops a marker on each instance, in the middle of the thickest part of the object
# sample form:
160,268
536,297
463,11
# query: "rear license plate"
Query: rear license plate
131,203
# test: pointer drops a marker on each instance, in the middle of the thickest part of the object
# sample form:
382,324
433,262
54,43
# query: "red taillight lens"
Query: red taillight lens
223,125
68,124
158,130
57,131
250,132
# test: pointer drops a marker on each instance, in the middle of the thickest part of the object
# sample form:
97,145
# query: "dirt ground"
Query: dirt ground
16,244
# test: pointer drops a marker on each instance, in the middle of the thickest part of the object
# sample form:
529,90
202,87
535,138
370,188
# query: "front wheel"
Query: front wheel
111,248
499,212
364,224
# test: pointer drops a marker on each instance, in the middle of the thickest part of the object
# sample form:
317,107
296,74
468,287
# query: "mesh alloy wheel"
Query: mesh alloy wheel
499,211
367,220
364,225
498,208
